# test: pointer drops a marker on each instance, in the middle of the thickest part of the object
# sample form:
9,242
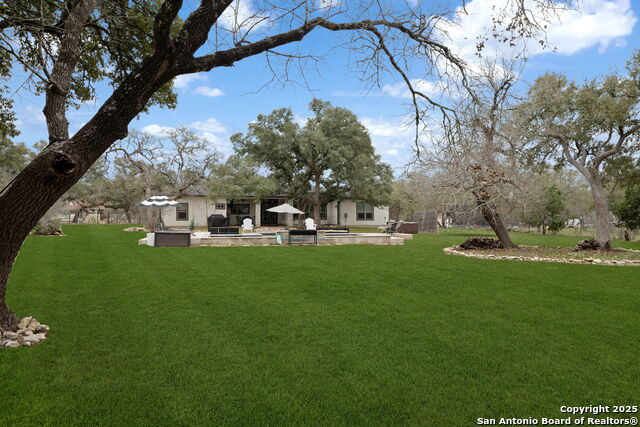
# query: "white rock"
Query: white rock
21,331
41,328
26,344
33,325
27,333
11,335
11,344
35,338
24,322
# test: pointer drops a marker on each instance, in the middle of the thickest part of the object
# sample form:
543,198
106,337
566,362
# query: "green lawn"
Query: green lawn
313,335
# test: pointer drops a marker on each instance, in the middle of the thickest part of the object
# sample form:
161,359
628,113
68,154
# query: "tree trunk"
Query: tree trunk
301,216
53,171
148,214
580,226
601,202
316,202
627,236
493,218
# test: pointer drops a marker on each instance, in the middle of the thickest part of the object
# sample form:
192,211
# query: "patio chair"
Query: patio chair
309,224
392,227
247,225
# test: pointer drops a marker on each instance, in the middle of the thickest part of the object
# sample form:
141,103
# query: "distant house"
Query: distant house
196,207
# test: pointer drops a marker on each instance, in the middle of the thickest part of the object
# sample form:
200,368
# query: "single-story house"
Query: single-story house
196,207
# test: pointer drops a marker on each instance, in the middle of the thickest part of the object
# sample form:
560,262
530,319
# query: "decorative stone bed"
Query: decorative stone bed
29,332
581,257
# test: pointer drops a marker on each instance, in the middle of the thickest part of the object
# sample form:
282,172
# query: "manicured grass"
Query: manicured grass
338,335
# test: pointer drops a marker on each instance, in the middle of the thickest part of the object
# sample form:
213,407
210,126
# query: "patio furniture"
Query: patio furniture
240,219
172,238
334,229
408,227
285,208
159,202
392,227
309,224
224,230
247,225
217,221
301,237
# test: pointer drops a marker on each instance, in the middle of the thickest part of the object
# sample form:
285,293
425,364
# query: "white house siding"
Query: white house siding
200,207
348,207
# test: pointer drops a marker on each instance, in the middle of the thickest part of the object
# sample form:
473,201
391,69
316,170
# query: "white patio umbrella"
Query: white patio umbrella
159,202
285,208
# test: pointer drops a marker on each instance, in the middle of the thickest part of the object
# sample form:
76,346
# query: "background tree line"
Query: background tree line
494,157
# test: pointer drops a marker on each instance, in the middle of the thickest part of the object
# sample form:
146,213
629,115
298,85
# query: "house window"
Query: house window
221,206
240,209
308,211
182,212
364,211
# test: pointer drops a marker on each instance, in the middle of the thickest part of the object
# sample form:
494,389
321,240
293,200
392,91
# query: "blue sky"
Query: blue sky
589,43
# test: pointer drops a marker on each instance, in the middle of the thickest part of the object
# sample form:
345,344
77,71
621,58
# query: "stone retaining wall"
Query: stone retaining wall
323,240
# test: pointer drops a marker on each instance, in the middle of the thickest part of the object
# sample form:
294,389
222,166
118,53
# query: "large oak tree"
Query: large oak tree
474,161
585,126
140,46
329,158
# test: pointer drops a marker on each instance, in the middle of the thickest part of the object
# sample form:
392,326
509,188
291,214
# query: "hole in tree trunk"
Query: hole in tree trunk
62,164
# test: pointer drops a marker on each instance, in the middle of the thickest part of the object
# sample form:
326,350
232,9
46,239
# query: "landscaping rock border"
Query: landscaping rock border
135,229
29,333
455,250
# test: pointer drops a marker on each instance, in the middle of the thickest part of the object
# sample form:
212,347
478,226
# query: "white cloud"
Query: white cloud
215,139
208,91
383,127
400,89
329,4
392,152
211,125
241,15
300,120
157,130
184,80
594,23
601,23
210,129
207,127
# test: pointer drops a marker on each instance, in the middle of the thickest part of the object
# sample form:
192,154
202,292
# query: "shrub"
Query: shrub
588,245
47,227
481,243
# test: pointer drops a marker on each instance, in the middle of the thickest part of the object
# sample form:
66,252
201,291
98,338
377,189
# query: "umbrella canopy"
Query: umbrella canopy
285,208
158,201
